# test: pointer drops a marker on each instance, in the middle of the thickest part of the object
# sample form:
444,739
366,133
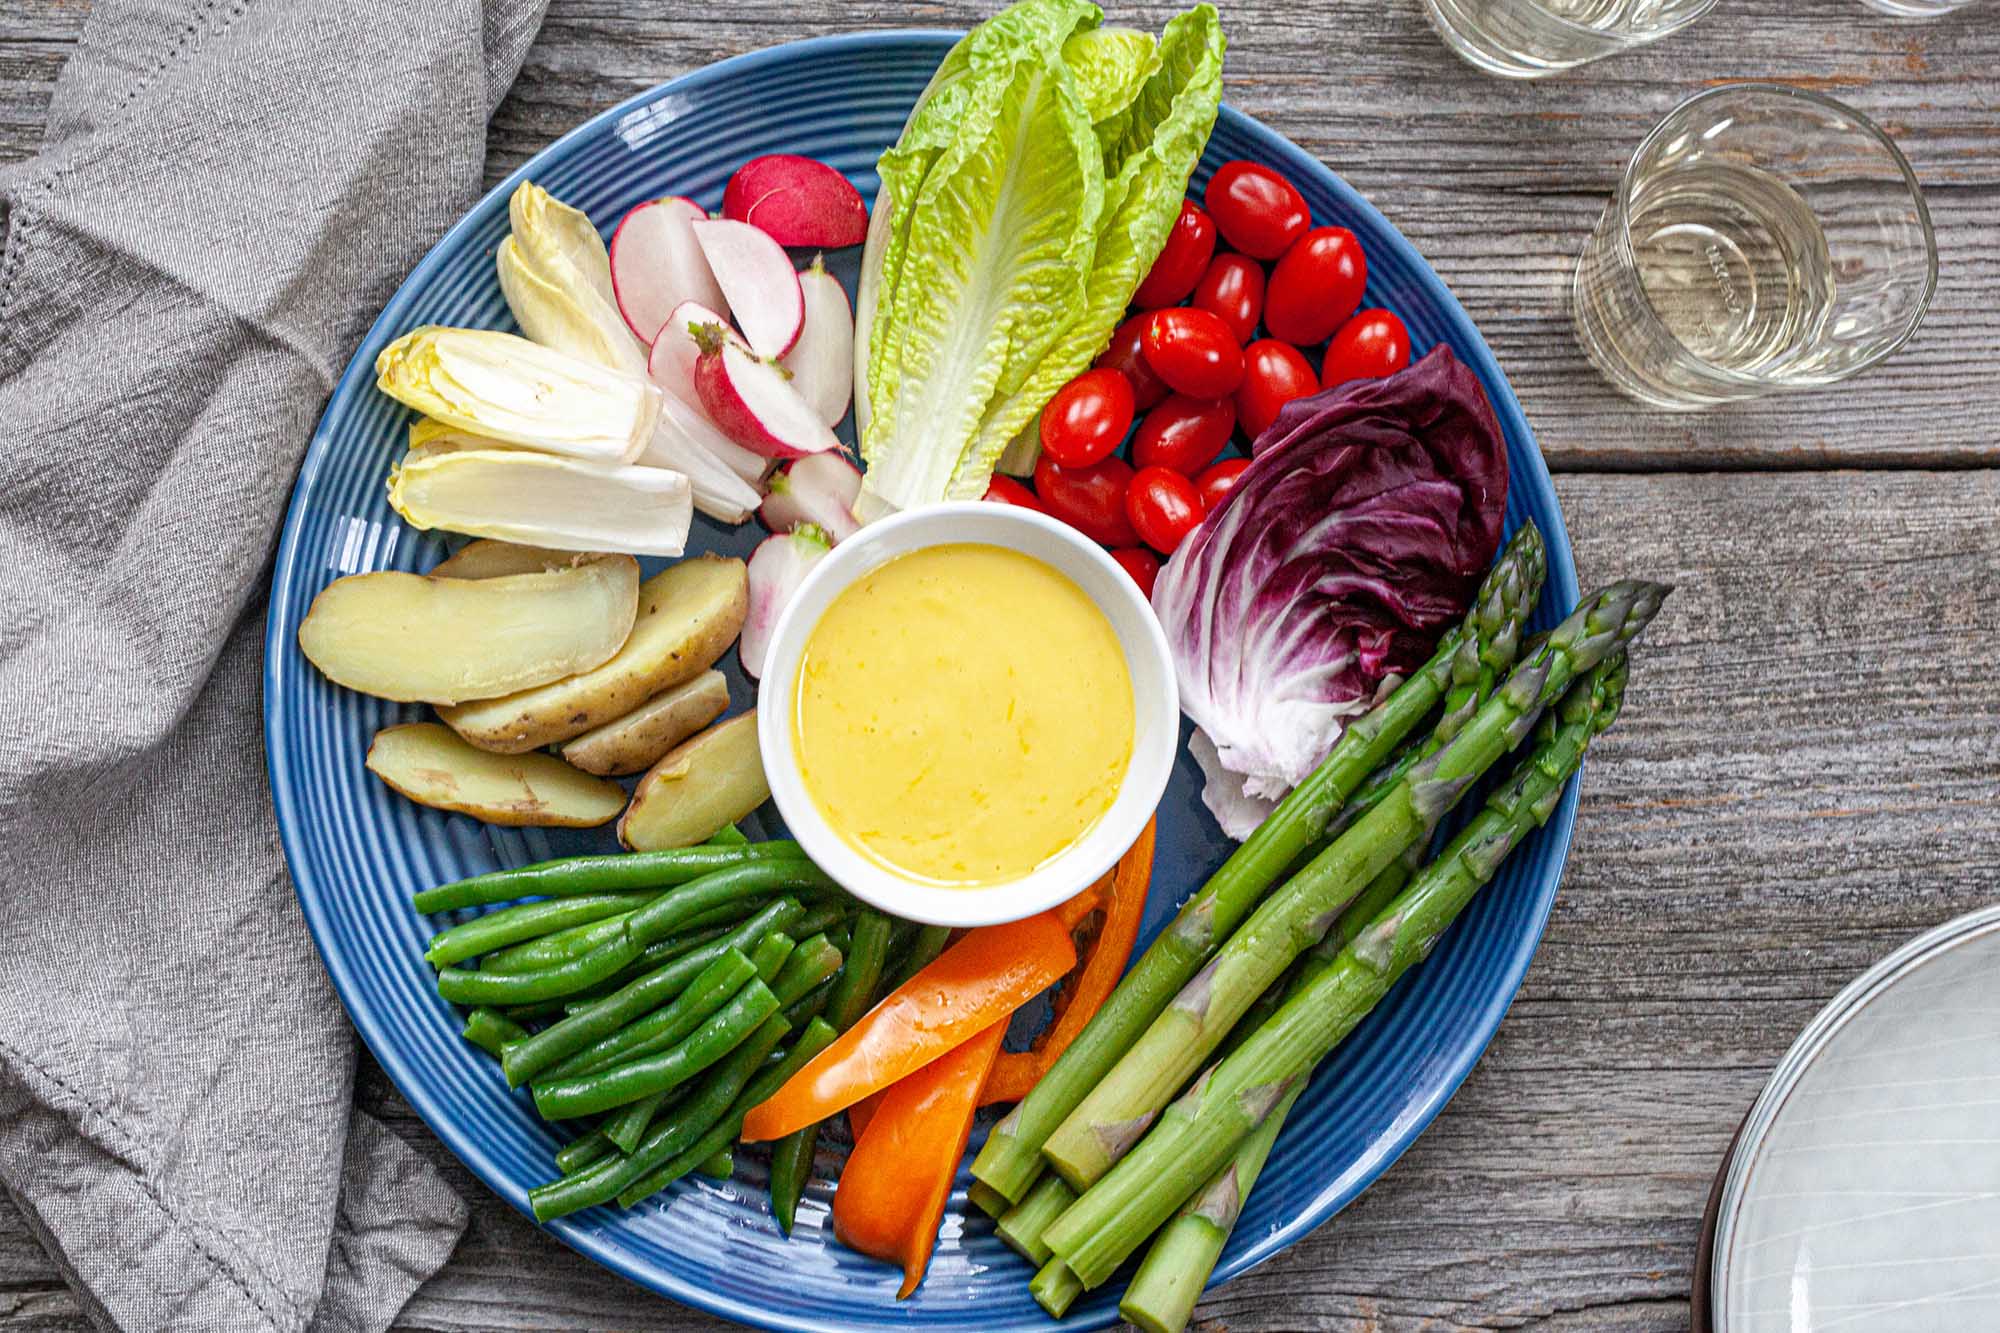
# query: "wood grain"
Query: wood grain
1808,773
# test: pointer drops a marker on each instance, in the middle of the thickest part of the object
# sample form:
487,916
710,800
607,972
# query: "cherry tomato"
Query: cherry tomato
1372,344
1006,491
1164,507
1141,564
1127,354
1090,499
1219,481
1259,211
1274,374
1233,289
1181,260
1316,286
1087,418
1194,352
1184,434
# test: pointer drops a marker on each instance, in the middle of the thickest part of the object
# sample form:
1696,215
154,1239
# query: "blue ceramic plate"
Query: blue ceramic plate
358,851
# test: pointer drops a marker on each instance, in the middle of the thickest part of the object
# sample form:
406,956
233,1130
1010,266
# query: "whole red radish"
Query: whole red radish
1127,355
656,264
1372,344
1164,507
1141,564
1258,211
1089,499
1274,374
1233,290
757,279
751,400
796,201
1087,418
1006,491
1316,286
1181,261
1194,352
1184,434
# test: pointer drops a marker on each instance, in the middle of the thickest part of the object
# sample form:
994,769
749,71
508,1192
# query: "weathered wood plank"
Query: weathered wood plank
1497,183
1808,774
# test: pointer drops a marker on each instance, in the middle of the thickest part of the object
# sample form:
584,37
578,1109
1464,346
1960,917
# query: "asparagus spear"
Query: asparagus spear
1010,1161
1202,1129
1118,1110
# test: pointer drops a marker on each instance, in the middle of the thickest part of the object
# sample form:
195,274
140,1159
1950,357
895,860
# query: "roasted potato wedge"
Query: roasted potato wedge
712,780
688,617
635,741
442,641
432,766
489,558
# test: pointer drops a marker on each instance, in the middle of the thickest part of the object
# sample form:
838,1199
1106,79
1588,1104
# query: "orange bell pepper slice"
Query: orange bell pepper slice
1124,902
976,982
897,1180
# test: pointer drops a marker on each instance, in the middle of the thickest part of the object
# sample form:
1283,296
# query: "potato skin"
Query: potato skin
491,558
715,779
636,741
688,616
432,766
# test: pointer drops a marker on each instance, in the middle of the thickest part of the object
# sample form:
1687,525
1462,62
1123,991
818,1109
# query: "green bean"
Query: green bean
818,1035
924,949
810,964
728,836
726,1029
629,1124
650,924
581,1151
569,876
526,921
563,945
711,1100
721,1166
490,1030
873,935
686,1004
646,1035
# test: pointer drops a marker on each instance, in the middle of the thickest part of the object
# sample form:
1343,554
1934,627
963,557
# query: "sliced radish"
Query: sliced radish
777,567
817,489
656,264
756,278
796,201
752,401
671,365
822,361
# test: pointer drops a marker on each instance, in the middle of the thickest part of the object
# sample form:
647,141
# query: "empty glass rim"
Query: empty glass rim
1852,999
1570,25
1622,201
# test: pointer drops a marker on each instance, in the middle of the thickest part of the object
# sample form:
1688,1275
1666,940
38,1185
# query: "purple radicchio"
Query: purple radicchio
1356,536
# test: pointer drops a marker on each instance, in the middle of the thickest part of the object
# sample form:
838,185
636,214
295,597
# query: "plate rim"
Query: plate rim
586,1239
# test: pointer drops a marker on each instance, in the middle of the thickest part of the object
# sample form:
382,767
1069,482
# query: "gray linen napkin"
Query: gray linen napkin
229,191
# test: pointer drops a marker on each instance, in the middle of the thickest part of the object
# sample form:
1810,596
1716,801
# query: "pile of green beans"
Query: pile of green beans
651,999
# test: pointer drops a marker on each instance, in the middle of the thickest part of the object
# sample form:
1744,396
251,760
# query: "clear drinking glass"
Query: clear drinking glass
1763,238
1526,39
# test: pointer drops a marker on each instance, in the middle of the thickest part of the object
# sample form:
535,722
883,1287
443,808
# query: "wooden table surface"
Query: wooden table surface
1808,772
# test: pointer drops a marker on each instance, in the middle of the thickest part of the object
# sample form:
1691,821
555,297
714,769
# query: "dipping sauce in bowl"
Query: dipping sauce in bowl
963,715
968,712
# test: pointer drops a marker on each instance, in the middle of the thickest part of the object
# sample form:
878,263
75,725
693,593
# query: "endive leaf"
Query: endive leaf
539,499
556,276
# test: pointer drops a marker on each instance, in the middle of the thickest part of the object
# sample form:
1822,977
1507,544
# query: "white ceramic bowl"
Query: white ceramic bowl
1155,711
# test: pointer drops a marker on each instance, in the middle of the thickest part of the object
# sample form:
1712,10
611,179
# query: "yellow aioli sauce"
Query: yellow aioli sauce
964,715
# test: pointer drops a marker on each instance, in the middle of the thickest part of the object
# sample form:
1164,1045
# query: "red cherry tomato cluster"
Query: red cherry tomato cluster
1188,367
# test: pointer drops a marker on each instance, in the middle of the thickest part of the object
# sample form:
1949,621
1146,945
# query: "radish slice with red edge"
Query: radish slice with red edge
671,367
656,264
757,280
777,567
796,201
819,489
822,361
750,399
